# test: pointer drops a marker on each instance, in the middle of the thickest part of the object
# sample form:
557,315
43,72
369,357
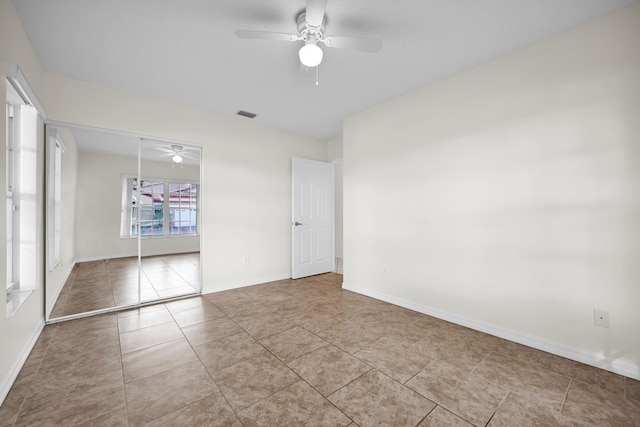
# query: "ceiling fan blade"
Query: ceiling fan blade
356,43
315,12
265,35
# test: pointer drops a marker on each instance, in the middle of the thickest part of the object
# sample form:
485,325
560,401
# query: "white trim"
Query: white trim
19,363
15,74
626,369
168,141
119,308
55,297
135,254
179,181
248,282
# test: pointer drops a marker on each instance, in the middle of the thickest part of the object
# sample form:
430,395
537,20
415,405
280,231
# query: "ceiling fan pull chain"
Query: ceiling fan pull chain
317,68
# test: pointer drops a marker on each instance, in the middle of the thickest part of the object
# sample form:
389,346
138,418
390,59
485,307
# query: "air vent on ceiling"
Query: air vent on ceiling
246,114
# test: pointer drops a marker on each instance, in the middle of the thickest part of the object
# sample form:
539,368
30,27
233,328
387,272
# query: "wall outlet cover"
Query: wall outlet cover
601,318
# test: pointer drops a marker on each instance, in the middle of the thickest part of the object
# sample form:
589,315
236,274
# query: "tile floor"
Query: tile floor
108,283
301,353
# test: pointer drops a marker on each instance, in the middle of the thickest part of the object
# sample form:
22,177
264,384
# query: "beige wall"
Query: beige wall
19,331
97,230
507,197
334,154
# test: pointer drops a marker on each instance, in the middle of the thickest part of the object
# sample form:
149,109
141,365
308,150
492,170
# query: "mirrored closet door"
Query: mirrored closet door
123,225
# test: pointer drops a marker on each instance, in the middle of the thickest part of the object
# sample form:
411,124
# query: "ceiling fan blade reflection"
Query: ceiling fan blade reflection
355,43
266,35
315,12
164,150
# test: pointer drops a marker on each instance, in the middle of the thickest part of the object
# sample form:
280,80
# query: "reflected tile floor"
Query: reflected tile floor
109,283
303,352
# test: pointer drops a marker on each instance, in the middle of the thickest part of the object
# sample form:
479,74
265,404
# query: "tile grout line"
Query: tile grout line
124,383
205,368
566,394
329,343
24,399
481,362
326,398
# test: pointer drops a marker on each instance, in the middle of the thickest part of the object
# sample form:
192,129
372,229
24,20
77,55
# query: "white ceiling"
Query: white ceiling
186,51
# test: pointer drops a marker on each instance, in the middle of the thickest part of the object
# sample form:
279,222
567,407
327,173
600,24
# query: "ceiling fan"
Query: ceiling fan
311,30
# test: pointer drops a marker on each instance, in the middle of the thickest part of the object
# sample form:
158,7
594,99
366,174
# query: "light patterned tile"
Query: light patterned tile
394,358
441,417
375,399
251,380
296,405
591,404
210,330
471,398
328,368
210,411
147,337
151,360
154,396
524,411
292,343
227,351
266,325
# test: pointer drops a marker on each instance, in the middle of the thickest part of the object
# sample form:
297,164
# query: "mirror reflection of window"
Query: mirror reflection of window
159,207
56,149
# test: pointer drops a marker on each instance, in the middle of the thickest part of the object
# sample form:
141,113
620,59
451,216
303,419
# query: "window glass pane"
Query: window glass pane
134,221
182,208
151,208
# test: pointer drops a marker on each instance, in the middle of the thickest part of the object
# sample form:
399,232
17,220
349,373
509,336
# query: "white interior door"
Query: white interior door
312,217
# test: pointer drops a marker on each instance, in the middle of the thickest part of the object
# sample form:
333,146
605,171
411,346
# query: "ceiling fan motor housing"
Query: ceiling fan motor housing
306,30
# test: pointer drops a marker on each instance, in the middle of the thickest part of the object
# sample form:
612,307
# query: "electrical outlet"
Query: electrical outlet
384,271
245,260
600,318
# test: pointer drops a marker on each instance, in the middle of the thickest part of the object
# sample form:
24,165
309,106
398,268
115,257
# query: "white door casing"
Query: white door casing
312,217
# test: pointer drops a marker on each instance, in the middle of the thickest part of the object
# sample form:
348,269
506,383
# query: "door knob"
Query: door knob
297,223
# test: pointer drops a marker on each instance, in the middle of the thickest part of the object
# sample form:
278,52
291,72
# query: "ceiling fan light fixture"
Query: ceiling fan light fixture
310,54
177,158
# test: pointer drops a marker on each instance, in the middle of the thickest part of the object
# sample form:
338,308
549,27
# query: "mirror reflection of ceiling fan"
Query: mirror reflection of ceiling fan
177,152
311,30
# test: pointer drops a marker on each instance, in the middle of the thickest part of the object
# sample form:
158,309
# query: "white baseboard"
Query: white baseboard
626,369
55,298
19,363
248,282
135,254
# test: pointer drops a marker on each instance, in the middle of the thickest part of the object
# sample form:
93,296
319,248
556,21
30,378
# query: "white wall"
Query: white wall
99,201
17,332
334,154
507,197
56,278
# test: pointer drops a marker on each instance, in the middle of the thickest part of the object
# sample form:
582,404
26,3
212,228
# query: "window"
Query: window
22,189
55,150
159,207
